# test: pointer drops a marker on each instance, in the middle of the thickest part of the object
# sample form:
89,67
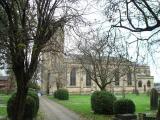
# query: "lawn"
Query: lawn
141,101
3,103
81,104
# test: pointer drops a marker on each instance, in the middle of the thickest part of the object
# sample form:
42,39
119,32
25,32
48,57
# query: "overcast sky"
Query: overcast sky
95,15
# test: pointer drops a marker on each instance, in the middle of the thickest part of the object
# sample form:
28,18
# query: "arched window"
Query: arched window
148,83
88,78
139,83
73,76
116,77
129,78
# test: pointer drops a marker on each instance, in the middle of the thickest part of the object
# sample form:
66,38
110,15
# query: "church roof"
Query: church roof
4,77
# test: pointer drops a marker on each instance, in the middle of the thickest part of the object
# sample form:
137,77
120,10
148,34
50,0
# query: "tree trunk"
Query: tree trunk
21,94
19,105
48,83
135,85
103,88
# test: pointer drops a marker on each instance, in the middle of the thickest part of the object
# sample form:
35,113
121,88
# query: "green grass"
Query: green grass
141,101
3,104
3,111
81,104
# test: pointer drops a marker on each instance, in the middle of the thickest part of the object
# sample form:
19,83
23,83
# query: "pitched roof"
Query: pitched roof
4,77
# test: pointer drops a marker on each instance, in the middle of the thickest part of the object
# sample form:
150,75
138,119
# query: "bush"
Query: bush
102,102
124,106
61,94
36,98
55,94
10,105
31,106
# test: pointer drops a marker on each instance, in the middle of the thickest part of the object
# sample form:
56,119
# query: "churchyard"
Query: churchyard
81,104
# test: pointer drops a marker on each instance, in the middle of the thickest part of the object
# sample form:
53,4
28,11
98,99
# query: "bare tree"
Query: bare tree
139,17
104,60
29,26
136,16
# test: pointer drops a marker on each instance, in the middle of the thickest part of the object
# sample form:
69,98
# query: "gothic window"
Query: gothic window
117,78
139,83
88,79
129,78
148,83
73,76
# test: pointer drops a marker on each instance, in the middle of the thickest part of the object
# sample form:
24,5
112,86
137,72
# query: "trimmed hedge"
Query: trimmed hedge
34,95
102,102
31,106
124,106
61,94
55,94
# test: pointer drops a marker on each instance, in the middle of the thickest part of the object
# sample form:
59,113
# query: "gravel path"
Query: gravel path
54,111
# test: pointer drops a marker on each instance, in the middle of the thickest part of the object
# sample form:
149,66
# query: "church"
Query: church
62,71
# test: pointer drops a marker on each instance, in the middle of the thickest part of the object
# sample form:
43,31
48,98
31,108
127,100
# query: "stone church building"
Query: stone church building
61,71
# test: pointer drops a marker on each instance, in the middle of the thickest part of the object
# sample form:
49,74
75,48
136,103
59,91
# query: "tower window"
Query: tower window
139,83
116,77
129,78
73,77
148,83
88,78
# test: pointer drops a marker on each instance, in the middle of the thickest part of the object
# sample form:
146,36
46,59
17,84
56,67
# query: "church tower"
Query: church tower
52,67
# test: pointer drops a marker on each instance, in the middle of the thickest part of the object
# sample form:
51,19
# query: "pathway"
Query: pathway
54,111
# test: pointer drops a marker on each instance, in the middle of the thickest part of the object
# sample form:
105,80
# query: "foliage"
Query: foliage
31,106
34,95
61,94
55,94
102,102
123,106
154,99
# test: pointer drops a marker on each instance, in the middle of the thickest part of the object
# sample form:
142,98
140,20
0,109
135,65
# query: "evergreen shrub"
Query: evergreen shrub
31,106
102,102
124,106
61,94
